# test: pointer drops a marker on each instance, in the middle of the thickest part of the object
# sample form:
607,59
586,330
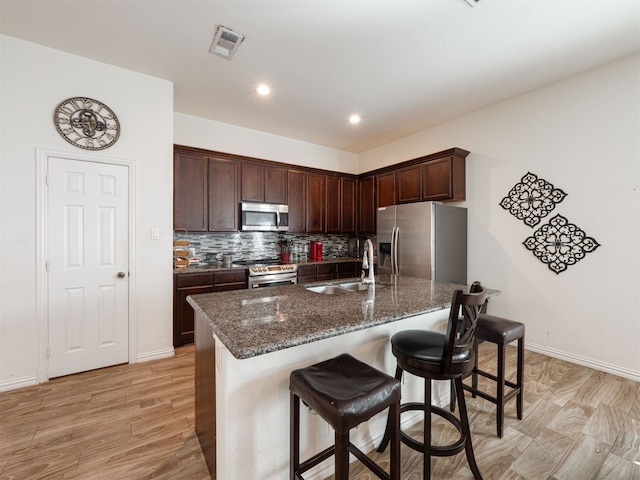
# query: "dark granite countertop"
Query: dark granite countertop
259,321
215,267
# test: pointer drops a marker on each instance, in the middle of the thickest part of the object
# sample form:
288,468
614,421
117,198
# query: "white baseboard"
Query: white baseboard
18,383
158,354
584,361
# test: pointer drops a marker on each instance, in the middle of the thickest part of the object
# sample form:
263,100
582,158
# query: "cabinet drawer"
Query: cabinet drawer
306,270
194,279
224,287
347,267
326,268
231,276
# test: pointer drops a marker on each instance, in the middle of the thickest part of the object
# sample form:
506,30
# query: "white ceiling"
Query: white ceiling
404,65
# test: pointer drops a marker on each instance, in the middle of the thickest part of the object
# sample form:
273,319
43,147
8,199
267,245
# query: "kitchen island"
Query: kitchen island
248,341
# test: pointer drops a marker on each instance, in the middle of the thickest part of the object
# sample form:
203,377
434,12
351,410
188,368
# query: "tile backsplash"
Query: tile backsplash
209,247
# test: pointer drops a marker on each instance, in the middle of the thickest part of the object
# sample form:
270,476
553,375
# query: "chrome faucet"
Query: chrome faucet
367,264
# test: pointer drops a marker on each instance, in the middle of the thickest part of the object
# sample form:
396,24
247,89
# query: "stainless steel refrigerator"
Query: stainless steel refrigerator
426,239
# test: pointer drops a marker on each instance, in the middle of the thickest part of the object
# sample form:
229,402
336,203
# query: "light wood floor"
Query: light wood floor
136,422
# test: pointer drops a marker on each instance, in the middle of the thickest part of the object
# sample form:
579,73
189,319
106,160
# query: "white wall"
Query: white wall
34,80
583,135
222,137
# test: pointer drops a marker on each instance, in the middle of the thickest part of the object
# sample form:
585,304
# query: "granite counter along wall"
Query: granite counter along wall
209,247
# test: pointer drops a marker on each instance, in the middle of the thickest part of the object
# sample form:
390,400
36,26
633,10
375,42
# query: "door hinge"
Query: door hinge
46,178
47,352
46,266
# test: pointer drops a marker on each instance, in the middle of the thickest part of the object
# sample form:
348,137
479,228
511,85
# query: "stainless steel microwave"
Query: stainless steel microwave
264,217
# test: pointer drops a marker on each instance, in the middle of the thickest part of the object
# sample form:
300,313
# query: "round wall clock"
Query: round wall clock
86,123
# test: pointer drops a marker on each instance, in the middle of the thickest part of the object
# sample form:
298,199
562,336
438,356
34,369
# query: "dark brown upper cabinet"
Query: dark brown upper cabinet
263,183
333,204
223,199
386,189
366,205
316,201
209,186
348,205
297,194
408,184
190,192
444,179
252,182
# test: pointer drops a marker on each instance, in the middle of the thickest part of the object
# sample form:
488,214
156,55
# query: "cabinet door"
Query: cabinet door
385,189
408,184
183,314
348,205
327,271
190,192
275,185
347,269
366,205
307,273
333,204
223,200
444,179
297,194
315,202
252,182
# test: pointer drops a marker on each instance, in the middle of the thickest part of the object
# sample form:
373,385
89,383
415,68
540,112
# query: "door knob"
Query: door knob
121,275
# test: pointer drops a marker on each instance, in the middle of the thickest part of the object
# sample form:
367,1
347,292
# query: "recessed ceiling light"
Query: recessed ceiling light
263,89
354,119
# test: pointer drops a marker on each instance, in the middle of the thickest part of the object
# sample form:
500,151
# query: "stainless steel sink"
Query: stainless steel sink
339,288
354,286
327,289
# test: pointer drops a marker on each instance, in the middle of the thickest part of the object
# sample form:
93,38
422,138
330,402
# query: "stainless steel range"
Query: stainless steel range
269,272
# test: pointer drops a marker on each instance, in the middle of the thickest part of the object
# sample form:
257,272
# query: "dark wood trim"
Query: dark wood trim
205,392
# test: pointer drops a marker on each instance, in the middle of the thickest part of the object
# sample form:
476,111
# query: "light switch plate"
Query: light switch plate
155,234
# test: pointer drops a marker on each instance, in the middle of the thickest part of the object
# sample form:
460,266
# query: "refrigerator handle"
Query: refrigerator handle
394,255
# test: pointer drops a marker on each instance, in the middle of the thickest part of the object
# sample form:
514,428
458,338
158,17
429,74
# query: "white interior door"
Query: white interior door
87,244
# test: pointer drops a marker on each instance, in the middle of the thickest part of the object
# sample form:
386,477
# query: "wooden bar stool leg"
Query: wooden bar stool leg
294,436
341,450
500,390
387,431
520,378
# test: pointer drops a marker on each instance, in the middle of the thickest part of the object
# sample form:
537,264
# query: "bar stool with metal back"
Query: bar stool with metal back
437,356
501,332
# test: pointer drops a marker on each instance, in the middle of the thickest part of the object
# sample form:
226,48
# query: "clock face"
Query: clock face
87,123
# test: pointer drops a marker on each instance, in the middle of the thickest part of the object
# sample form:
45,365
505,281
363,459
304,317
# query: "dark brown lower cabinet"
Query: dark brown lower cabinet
186,284
317,272
348,269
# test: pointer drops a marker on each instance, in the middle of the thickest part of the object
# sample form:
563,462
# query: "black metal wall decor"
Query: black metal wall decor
532,199
560,244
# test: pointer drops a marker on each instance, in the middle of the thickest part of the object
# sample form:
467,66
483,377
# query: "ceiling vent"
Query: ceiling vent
226,42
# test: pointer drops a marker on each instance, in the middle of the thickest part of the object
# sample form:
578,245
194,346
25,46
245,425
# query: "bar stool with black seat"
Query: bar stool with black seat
501,332
437,356
345,392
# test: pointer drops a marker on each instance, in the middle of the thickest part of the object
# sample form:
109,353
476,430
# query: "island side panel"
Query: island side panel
205,391
253,401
